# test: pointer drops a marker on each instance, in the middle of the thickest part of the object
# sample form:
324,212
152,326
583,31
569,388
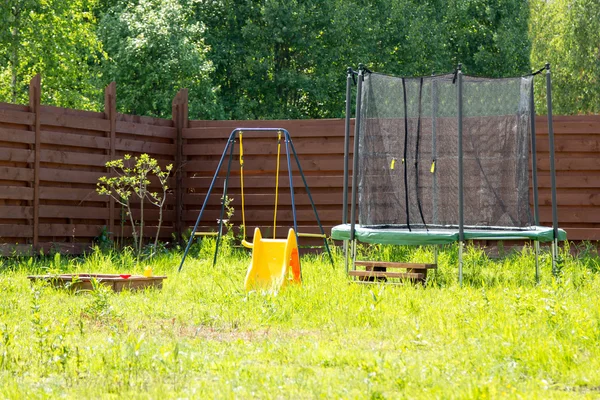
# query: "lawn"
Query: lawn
202,336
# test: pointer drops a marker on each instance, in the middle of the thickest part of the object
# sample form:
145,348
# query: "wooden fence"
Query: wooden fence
51,159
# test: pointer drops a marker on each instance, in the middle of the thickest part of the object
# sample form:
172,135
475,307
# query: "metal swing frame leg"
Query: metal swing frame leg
310,198
210,188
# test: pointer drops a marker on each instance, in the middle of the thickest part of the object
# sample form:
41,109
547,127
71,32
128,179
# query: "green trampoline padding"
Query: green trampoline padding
441,236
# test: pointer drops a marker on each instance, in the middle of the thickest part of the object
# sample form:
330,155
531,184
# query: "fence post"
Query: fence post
110,113
180,121
34,107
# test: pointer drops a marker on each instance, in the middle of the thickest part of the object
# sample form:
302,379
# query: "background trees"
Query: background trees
566,33
56,38
249,59
154,48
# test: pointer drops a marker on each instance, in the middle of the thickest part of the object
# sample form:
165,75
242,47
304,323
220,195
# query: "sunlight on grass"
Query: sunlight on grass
202,336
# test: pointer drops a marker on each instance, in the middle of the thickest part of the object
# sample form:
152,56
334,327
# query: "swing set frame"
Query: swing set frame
228,151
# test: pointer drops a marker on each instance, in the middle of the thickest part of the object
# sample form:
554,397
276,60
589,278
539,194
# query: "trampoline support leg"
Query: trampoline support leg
537,261
346,255
353,254
554,256
435,254
460,263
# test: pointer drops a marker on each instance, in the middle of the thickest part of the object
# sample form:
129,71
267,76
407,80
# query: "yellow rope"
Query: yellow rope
276,184
242,186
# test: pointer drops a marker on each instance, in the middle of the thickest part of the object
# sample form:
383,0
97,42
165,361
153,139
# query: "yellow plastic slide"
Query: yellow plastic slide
272,261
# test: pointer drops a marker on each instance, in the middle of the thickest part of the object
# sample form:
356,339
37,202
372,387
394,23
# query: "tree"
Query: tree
287,59
56,39
567,35
154,49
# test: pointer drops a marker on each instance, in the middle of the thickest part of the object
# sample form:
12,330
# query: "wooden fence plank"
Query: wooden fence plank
71,121
69,158
260,182
16,231
568,214
267,215
325,164
583,233
16,174
17,155
309,129
70,194
17,117
70,230
570,163
16,212
587,144
69,176
145,130
75,140
53,211
16,136
90,231
581,180
142,146
333,198
317,145
16,193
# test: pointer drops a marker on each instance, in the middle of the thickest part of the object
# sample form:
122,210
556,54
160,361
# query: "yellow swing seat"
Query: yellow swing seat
273,260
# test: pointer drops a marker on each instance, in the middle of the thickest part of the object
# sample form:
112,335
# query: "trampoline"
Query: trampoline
442,159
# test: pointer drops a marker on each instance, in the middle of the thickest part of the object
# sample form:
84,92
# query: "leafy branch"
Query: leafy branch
131,176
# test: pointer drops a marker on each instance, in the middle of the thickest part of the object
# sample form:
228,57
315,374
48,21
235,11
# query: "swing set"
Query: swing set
273,260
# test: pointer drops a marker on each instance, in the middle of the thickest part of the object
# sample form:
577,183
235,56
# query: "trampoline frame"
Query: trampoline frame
352,74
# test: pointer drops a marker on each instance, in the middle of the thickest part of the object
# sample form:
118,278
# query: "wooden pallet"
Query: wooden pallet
117,283
378,271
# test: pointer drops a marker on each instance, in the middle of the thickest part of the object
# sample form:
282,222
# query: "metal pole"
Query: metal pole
225,185
289,165
433,148
310,198
355,156
347,146
537,261
536,212
210,188
552,166
346,157
461,221
353,254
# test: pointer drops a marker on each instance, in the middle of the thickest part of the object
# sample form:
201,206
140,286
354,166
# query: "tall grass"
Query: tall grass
201,336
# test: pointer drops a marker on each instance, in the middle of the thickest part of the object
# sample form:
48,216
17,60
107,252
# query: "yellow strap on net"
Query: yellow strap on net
277,184
242,187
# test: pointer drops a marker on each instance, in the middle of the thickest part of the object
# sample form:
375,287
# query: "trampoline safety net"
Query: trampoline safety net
408,152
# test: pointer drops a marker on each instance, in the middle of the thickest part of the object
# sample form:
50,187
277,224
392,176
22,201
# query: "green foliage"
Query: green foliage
286,59
264,59
154,48
566,33
54,38
131,176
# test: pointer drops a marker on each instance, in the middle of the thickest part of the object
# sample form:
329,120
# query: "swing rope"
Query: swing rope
276,184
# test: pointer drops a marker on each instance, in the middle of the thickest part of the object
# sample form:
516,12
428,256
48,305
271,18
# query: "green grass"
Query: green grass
201,336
